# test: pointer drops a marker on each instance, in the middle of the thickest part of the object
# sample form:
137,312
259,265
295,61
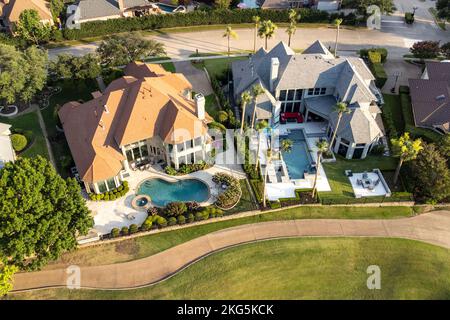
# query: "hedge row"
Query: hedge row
197,18
112,194
379,73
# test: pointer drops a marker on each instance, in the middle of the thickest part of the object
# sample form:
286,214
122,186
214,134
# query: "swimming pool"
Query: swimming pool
166,7
298,160
162,192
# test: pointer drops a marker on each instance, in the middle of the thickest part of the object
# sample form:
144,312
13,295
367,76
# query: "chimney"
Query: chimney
121,6
274,66
200,106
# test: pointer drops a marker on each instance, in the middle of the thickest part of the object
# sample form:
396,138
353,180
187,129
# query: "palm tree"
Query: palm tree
266,30
257,90
245,100
322,147
256,20
286,146
230,33
260,126
337,23
406,149
340,108
293,18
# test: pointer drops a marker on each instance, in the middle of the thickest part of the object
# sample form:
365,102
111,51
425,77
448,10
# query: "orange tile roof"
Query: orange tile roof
14,8
136,109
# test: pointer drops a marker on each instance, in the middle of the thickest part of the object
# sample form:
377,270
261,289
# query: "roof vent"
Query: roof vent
101,125
105,107
441,97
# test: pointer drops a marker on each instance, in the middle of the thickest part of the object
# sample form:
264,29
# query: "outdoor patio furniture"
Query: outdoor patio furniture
365,175
359,182
130,216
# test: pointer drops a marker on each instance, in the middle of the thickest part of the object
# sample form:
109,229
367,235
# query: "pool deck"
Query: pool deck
114,214
313,131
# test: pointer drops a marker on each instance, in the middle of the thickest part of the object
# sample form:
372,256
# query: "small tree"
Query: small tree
260,126
256,20
266,30
322,147
406,149
174,209
425,49
431,173
445,50
120,50
6,279
245,100
257,90
30,27
293,18
340,108
337,23
229,33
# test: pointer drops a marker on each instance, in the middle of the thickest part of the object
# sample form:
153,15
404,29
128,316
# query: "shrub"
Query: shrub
18,141
147,225
172,221
378,149
124,231
379,73
425,49
199,216
374,57
171,171
115,232
364,53
181,220
174,209
409,17
190,218
152,211
161,221
192,206
275,204
403,89
133,228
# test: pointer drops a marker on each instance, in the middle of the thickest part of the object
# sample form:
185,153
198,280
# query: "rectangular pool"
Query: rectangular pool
298,160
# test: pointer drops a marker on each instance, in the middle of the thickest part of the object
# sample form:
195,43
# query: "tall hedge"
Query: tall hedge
196,18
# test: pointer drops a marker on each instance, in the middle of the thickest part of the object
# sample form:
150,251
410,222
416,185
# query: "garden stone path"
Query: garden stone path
431,227
44,131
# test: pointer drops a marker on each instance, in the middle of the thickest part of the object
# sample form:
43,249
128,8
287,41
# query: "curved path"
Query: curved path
431,227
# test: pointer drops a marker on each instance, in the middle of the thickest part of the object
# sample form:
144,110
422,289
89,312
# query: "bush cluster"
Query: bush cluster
232,194
409,18
112,194
196,18
187,168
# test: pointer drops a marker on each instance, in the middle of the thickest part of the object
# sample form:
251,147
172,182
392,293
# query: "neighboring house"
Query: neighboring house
308,86
146,116
6,150
10,11
430,97
93,10
327,5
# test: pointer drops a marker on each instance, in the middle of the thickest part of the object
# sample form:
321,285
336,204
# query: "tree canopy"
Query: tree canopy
67,66
6,279
443,8
425,49
41,213
120,50
431,174
23,73
30,27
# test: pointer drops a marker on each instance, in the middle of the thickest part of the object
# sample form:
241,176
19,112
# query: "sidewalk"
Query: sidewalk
431,227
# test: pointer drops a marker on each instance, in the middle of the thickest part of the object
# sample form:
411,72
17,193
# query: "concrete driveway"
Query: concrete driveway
198,79
404,70
431,227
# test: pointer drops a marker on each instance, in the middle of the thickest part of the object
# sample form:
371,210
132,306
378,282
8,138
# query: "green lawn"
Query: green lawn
392,105
217,67
145,246
302,268
246,203
71,91
341,189
29,122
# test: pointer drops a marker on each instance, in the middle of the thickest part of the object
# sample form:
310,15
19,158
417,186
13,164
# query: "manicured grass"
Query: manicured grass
339,182
144,246
71,91
211,105
29,122
246,203
217,67
169,66
392,105
303,268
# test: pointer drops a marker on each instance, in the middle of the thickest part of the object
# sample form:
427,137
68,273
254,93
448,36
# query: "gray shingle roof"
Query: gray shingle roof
358,126
91,9
317,48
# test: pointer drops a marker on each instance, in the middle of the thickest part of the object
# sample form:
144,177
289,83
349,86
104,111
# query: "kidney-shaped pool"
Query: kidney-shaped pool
162,192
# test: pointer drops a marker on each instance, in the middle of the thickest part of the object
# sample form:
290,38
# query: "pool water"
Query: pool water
250,4
162,192
298,159
166,7
141,202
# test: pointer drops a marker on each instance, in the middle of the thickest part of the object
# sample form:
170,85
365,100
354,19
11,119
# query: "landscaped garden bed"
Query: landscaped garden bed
112,194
